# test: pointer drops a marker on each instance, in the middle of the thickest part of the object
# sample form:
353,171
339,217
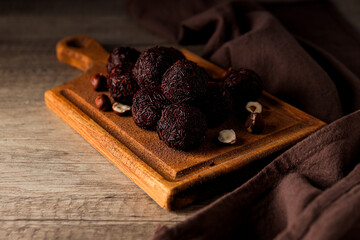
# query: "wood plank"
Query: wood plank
78,229
172,178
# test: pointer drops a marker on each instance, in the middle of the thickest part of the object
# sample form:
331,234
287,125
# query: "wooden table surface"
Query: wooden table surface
53,184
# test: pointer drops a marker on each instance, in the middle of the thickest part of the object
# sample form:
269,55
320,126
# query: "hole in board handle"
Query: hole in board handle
77,43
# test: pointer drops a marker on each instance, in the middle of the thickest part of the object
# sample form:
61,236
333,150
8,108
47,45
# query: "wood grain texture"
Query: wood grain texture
50,177
53,184
60,229
172,178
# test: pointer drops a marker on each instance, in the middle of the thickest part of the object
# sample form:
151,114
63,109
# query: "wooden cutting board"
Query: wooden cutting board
172,178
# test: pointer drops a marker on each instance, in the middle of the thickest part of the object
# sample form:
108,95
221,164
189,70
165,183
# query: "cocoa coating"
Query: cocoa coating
185,81
217,105
121,83
120,55
152,64
244,85
146,108
182,127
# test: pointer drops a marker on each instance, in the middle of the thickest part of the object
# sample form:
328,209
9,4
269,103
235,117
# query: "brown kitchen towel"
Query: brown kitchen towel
321,81
312,191
308,56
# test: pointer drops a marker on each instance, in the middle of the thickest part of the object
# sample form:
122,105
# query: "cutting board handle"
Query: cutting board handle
81,52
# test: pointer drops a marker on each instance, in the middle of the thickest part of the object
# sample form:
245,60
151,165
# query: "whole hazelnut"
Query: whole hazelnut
99,82
225,73
102,102
255,123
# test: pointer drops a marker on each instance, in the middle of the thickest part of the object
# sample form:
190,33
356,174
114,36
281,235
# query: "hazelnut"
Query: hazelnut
102,102
99,82
227,136
225,73
253,107
121,109
255,123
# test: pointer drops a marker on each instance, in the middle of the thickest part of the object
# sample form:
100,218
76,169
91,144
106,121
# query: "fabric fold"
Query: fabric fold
308,56
245,35
304,186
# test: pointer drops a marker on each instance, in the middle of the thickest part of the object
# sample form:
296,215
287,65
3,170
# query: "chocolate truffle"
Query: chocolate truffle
121,83
182,127
120,55
152,64
146,108
244,85
185,82
217,105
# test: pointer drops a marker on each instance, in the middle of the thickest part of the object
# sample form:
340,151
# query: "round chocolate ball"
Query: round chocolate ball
152,64
185,81
121,83
146,108
182,127
120,55
244,85
217,105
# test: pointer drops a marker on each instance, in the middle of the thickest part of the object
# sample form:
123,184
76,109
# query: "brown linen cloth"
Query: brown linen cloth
311,59
311,191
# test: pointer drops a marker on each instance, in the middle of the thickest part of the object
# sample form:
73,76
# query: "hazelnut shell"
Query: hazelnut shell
255,123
